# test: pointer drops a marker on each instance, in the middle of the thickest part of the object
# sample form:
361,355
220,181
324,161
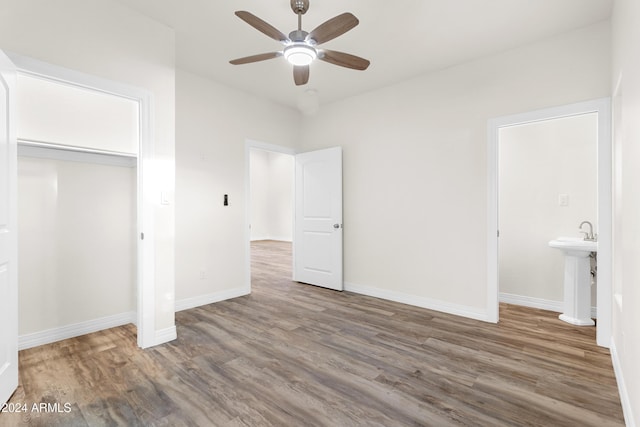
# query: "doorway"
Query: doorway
547,187
316,206
269,196
601,109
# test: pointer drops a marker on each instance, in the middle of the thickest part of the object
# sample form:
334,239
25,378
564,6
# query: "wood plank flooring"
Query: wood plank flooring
295,355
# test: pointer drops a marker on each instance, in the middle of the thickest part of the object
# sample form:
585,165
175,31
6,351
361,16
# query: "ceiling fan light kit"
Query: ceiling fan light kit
300,47
300,54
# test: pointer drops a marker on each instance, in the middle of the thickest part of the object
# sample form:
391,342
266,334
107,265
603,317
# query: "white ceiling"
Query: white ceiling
402,39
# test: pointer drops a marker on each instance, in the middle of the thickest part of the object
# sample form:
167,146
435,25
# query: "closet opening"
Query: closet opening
78,209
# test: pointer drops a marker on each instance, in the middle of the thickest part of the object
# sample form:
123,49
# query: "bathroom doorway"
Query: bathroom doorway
547,191
547,177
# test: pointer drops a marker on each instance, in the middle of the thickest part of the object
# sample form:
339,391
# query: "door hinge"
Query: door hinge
141,236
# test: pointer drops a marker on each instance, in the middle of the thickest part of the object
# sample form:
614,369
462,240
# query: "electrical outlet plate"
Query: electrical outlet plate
563,199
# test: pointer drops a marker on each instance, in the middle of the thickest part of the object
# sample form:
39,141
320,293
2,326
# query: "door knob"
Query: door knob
337,225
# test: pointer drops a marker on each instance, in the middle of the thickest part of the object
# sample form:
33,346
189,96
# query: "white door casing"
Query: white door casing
150,173
605,266
8,233
318,229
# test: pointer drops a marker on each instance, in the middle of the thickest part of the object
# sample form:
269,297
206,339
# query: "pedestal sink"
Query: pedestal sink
577,279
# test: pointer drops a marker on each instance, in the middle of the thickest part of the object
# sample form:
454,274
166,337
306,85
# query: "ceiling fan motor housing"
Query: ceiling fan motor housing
300,6
298,36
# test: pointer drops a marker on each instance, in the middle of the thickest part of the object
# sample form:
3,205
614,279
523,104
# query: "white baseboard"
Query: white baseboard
543,304
187,303
165,335
70,331
282,239
431,304
627,408
277,239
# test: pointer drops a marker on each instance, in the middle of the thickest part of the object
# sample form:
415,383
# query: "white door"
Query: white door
8,234
317,237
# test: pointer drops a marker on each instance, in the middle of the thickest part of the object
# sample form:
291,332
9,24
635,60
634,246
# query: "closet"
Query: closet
77,180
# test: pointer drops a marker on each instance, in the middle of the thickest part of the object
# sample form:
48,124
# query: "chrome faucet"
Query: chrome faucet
588,235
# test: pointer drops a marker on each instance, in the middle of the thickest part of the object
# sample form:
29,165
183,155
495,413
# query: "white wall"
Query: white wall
271,178
259,194
415,165
213,124
626,233
538,163
105,39
76,242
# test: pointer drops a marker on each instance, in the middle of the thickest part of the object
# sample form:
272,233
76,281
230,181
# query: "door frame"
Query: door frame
146,307
249,145
601,106
9,306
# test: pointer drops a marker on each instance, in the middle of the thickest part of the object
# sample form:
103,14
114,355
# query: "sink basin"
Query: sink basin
574,244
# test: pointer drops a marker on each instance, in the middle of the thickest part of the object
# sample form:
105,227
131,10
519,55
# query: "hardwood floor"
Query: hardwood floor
292,355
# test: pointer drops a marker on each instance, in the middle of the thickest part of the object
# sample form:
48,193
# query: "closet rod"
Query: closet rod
56,146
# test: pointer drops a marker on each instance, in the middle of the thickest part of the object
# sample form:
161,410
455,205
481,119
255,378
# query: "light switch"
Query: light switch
165,198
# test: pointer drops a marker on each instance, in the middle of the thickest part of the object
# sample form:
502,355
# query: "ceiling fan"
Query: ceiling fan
300,47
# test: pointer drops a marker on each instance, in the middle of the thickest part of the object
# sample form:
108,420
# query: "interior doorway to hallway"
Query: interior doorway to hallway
270,198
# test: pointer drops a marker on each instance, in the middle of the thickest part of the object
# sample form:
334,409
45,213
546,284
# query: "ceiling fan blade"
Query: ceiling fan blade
255,58
301,74
333,28
262,26
344,59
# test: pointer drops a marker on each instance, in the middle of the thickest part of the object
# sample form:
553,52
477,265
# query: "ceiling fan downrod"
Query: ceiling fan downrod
299,7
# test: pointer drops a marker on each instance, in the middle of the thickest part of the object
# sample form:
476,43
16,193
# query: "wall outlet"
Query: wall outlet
203,274
165,198
563,199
